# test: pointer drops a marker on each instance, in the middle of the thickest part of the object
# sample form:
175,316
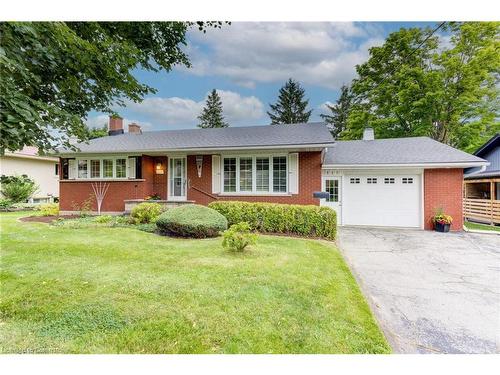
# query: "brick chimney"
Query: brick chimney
115,126
134,128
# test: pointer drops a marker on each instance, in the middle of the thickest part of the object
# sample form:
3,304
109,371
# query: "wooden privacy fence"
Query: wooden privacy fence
486,210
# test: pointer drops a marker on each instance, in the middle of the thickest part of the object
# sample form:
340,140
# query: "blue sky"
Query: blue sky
248,63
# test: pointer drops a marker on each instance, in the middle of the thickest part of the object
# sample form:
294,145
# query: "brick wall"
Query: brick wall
309,181
73,193
443,189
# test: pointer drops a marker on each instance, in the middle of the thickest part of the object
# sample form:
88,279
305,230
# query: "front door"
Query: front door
177,179
332,185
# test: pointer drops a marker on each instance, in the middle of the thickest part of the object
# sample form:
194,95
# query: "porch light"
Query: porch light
159,168
199,164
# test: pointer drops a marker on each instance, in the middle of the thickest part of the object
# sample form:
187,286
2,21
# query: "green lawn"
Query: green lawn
120,290
471,225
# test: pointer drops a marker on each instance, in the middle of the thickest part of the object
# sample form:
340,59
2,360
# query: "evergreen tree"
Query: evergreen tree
337,120
291,105
211,116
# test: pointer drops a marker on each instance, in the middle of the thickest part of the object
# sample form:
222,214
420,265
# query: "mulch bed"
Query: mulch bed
47,219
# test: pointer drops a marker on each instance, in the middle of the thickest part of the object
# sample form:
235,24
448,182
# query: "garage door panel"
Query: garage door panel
382,204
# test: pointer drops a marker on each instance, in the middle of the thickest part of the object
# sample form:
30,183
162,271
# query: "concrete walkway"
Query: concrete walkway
431,292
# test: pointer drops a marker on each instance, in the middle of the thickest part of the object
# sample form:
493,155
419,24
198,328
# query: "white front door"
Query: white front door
177,179
332,186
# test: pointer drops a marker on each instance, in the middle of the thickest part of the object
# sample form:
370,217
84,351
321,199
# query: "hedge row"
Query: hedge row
313,221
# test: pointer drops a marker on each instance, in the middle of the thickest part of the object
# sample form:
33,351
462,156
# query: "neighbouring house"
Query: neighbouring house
385,182
482,185
44,170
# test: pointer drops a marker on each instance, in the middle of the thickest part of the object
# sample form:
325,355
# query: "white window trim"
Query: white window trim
254,191
101,167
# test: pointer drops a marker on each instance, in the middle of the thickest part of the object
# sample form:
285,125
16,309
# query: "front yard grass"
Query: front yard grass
471,225
121,290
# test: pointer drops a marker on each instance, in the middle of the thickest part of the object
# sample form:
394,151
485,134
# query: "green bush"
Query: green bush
308,221
145,213
191,221
103,219
238,236
17,188
49,209
5,204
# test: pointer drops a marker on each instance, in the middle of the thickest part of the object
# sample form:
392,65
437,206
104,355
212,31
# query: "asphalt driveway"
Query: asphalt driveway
431,292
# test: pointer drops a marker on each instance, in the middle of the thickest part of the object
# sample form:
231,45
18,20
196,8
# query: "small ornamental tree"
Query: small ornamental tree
211,115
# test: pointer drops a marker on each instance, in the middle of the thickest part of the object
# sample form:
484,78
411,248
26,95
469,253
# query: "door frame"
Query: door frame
338,205
183,177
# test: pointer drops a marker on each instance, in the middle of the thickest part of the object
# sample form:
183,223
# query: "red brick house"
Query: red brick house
388,182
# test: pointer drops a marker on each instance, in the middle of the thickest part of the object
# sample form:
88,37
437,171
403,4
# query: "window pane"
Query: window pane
332,187
245,174
107,166
95,168
230,174
82,169
262,174
279,174
121,168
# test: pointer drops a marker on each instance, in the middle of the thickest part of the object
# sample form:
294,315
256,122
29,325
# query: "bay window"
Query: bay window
102,168
82,168
121,168
107,168
255,174
95,168
279,174
229,175
246,180
262,170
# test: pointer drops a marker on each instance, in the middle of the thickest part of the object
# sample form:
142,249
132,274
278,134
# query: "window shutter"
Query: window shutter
293,173
216,174
131,167
71,169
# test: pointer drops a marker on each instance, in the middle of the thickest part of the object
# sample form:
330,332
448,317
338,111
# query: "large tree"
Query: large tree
339,112
291,105
53,73
212,114
420,83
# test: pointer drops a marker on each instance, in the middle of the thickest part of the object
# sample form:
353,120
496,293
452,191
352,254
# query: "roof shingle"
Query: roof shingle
415,150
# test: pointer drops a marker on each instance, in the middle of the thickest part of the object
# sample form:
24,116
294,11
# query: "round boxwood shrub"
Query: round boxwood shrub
192,220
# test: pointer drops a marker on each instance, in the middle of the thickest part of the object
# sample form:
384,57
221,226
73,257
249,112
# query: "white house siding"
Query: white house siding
42,170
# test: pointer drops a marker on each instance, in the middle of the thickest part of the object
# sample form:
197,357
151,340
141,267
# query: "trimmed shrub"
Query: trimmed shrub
49,209
238,237
5,204
103,219
18,188
145,213
191,221
308,221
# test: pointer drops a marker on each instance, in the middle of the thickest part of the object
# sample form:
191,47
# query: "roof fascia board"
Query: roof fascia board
318,146
409,165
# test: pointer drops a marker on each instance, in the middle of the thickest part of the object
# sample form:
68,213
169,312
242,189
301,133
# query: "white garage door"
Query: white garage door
382,199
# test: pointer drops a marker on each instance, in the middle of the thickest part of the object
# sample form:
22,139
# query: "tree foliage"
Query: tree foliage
291,105
53,73
443,87
337,120
212,114
96,132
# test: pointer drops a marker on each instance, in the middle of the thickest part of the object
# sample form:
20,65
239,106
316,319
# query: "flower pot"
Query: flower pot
444,228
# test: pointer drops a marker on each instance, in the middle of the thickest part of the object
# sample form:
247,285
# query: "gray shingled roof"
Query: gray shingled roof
416,150
250,136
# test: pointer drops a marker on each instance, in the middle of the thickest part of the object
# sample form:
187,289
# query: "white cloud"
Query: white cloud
181,112
317,53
